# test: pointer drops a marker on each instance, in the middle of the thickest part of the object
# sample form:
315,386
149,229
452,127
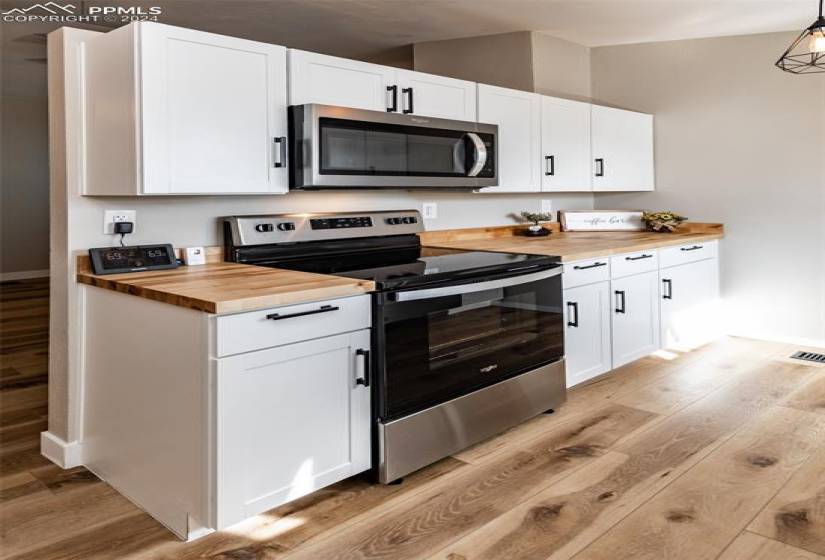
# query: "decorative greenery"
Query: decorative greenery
535,217
662,221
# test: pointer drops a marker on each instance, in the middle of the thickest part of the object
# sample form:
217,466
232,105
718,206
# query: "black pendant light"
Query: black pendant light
806,55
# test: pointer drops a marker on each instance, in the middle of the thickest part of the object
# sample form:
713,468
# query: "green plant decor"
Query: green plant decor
663,222
535,218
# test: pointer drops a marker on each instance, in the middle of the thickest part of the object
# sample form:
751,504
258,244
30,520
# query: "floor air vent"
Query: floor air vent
810,356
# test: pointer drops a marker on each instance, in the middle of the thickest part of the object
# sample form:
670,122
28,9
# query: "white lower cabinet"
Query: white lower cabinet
587,331
290,420
689,304
635,317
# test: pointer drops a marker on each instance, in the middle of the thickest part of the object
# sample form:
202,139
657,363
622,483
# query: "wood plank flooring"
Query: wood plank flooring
716,453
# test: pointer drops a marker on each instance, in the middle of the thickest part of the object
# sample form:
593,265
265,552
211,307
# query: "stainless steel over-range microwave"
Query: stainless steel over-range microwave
339,147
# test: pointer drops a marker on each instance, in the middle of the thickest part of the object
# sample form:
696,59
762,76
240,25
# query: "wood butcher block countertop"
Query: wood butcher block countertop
221,287
570,246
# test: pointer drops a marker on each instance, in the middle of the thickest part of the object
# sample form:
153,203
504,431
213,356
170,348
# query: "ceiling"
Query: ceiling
383,29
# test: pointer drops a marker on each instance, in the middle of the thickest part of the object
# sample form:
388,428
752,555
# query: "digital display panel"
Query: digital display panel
339,223
109,260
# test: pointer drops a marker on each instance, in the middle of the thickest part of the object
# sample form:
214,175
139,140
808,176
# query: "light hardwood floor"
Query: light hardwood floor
714,453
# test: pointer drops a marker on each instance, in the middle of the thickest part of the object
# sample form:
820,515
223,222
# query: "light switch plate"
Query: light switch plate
547,205
429,210
110,217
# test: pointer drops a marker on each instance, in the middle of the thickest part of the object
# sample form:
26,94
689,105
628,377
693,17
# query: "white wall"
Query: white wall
187,221
24,209
560,68
738,142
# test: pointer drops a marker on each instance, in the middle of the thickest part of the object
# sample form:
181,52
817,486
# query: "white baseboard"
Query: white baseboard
799,341
23,275
64,454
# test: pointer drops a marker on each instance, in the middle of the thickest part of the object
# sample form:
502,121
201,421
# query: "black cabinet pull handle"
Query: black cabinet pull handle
409,92
394,91
600,167
668,294
322,309
620,305
695,247
280,145
549,165
573,311
594,265
640,257
365,380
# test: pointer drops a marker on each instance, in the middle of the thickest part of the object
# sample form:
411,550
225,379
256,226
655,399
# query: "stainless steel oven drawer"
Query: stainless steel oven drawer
412,442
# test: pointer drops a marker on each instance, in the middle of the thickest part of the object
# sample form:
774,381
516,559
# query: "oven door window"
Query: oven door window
366,148
439,349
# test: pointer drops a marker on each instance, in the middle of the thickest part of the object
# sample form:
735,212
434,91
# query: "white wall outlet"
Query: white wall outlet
547,205
110,217
194,255
429,210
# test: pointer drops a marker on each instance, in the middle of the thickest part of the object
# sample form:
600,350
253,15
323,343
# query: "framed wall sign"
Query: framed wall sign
601,220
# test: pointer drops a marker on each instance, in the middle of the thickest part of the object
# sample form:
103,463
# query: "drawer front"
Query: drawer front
255,330
672,256
587,271
634,263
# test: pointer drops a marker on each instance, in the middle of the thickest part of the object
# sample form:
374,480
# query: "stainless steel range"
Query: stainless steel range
465,343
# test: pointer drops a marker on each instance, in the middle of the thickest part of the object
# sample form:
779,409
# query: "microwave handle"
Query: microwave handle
480,157
429,293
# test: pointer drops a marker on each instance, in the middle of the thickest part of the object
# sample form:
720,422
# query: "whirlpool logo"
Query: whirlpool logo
488,369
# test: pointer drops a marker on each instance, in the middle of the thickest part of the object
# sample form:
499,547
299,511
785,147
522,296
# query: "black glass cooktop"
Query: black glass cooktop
416,266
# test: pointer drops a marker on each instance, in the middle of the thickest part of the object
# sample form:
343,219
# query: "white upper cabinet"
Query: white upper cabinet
329,80
518,116
176,111
565,145
436,96
622,144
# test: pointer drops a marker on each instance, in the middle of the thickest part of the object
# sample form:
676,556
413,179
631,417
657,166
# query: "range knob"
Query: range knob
393,221
286,226
263,228
410,220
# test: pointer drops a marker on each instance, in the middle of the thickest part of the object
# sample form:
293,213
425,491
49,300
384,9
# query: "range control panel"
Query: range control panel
296,228
343,222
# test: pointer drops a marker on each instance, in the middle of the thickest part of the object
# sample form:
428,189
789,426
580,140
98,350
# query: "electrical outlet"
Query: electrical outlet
547,205
110,217
429,210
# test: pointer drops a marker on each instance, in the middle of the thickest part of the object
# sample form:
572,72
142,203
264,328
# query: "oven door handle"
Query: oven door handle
480,154
429,293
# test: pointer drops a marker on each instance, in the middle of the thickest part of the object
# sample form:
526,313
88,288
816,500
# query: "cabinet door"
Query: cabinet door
518,116
622,150
635,317
436,96
213,113
689,299
565,145
329,80
289,420
587,335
